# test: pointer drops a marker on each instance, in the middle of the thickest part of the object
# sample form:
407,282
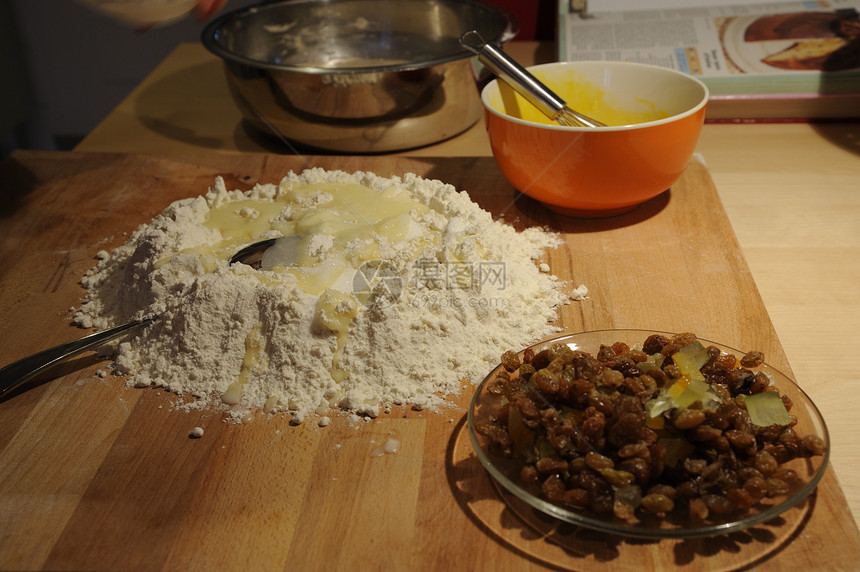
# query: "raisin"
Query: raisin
752,359
602,403
740,498
659,376
687,490
634,385
677,342
637,356
561,442
740,440
695,466
561,352
776,487
528,408
658,460
761,383
704,433
556,366
745,473
548,465
605,353
639,468
612,378
495,433
587,367
497,384
814,444
528,355
634,450
598,462
540,360
664,490
526,371
718,504
689,418
654,344
620,348
650,384
602,504
790,440
529,474
546,381
514,389
656,503
623,510
698,510
628,429
616,477
553,488
765,462
726,362
580,387
576,465
578,498
672,371
756,487
592,427
717,420
769,434
740,380
510,361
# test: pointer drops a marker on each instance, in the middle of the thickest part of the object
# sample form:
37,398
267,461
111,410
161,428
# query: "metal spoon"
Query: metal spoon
524,83
20,371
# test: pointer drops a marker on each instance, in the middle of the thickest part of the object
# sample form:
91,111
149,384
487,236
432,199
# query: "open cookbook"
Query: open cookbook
760,61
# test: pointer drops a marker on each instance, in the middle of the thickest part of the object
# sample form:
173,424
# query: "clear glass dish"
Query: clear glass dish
676,524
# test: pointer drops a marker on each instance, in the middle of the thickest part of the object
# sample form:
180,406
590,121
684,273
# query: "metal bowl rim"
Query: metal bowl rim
210,33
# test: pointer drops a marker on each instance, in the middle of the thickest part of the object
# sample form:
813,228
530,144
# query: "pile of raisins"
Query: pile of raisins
579,428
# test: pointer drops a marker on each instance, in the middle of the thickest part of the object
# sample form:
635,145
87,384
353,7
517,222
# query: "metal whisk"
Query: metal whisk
527,85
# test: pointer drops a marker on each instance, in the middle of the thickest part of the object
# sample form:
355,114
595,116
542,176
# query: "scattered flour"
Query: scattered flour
467,288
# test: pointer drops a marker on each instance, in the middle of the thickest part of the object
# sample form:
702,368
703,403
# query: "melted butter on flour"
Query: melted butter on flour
338,226
252,360
335,310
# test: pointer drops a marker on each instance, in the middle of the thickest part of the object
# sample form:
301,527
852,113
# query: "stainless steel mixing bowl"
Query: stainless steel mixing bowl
356,76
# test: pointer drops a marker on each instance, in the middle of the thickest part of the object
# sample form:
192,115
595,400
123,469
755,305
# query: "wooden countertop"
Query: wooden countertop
790,192
95,475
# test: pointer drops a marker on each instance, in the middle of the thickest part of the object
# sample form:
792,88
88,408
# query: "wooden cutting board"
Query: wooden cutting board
98,476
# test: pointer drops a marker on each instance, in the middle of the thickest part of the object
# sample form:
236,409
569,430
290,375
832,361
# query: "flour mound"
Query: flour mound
472,292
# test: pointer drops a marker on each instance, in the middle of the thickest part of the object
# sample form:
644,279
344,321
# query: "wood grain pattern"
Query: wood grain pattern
97,476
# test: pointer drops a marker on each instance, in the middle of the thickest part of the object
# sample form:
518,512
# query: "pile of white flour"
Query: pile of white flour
220,323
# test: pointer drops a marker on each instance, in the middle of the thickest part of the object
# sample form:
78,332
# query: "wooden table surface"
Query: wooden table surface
791,193
95,475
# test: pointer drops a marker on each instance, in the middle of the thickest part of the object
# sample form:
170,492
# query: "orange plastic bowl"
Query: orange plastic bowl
654,117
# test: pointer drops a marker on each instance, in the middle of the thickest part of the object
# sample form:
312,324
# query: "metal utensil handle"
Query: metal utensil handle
512,73
20,371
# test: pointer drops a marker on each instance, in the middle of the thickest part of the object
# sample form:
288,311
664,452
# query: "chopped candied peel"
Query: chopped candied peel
668,427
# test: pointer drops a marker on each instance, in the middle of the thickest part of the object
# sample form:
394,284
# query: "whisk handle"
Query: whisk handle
512,73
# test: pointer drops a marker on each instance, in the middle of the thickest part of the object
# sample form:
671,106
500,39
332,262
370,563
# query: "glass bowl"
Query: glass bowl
505,468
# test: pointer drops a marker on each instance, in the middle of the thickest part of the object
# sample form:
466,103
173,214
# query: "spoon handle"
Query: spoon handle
20,371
